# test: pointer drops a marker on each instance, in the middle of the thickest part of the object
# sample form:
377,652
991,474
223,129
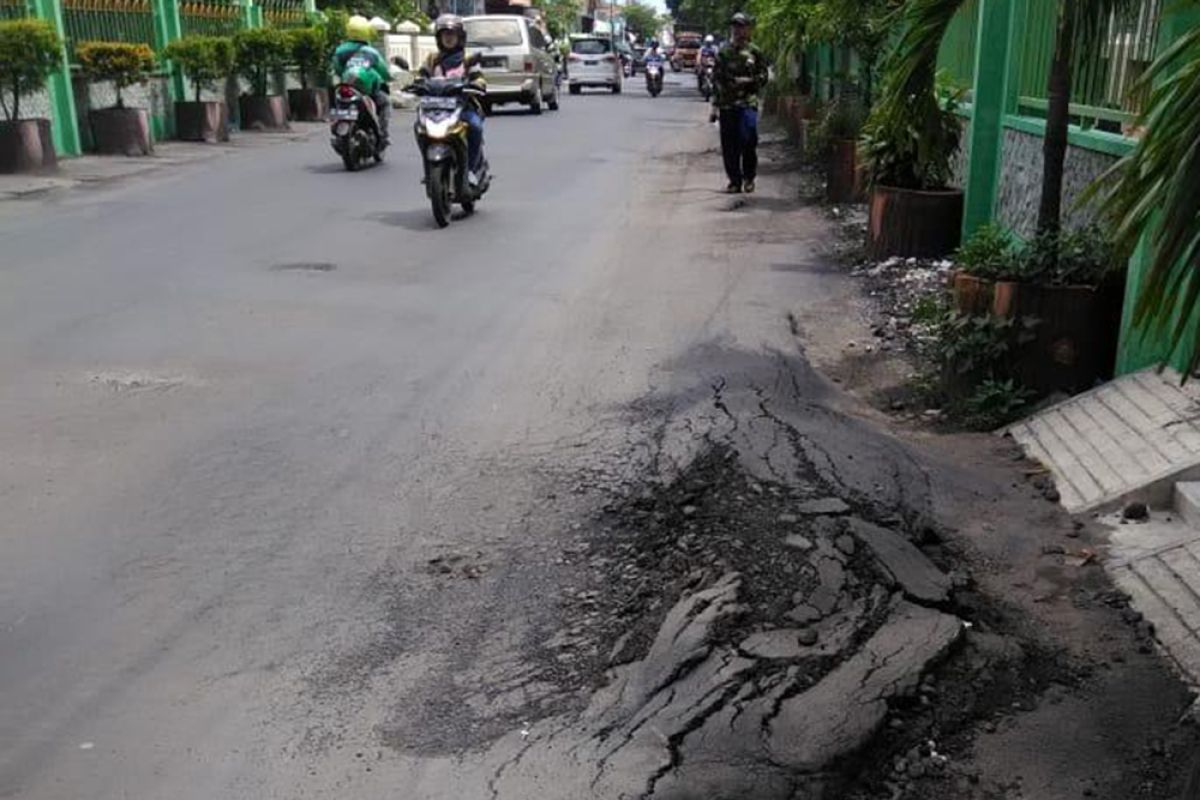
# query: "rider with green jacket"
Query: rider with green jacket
357,63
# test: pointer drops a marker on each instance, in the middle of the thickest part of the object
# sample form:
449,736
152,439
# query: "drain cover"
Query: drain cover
305,266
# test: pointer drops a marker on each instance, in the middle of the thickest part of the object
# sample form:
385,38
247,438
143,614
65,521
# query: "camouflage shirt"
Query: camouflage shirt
740,75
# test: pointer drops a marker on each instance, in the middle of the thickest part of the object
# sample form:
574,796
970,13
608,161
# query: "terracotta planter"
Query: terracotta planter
206,121
26,146
263,113
844,179
1075,339
120,131
973,295
308,105
914,223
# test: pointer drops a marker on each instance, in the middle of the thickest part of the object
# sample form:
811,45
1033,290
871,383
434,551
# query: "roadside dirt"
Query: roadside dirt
1071,699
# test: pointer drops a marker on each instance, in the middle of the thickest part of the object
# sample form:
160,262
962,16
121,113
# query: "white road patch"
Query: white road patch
142,381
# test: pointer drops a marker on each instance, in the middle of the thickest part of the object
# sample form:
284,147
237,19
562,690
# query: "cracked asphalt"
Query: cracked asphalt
305,498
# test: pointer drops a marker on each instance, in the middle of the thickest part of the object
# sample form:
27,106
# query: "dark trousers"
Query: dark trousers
739,143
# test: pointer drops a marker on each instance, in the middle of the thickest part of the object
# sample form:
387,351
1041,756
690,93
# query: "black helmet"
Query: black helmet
652,44
741,19
449,22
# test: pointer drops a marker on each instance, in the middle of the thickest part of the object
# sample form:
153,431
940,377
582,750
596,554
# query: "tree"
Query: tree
562,16
911,134
1081,23
123,63
858,25
394,11
204,59
29,51
1157,188
640,20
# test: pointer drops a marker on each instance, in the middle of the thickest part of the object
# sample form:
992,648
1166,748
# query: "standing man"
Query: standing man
741,73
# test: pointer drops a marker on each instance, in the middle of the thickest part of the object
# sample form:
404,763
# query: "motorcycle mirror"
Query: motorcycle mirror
400,62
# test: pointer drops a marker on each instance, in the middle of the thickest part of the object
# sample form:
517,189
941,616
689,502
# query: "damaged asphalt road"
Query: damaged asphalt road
523,512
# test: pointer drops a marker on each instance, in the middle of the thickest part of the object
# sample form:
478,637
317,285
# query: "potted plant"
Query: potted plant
204,60
308,54
260,53
29,51
908,143
837,140
987,256
1063,281
118,130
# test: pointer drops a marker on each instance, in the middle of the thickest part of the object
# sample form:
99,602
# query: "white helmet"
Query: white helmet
709,39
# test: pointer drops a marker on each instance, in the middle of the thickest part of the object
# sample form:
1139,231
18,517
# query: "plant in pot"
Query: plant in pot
309,103
1064,281
118,130
260,53
909,142
987,256
837,140
29,51
204,60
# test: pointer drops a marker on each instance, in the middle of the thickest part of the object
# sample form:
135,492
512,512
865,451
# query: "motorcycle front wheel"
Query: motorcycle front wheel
439,193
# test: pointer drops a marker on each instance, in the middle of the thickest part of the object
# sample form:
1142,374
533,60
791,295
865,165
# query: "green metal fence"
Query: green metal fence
210,17
13,9
956,59
1104,75
107,21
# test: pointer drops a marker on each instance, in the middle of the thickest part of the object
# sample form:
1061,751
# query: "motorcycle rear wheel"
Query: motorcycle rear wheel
439,194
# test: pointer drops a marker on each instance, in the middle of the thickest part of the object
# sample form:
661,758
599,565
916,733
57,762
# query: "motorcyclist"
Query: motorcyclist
357,63
707,50
653,53
707,55
451,61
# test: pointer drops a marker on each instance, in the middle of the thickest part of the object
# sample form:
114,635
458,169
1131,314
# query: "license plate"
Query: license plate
344,113
493,63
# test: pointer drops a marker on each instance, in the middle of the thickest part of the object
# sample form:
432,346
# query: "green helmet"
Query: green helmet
358,29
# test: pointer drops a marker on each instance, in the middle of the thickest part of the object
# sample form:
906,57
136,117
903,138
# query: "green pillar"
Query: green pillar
993,54
65,125
168,28
310,6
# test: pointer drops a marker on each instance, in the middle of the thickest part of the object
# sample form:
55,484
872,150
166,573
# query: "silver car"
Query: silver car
516,60
592,62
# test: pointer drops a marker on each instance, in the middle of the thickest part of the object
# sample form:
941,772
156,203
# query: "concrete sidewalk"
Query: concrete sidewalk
92,170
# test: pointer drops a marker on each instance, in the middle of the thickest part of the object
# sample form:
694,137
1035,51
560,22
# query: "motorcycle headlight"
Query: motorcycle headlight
342,128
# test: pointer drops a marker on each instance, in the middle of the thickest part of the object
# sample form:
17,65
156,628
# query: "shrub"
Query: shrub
308,53
204,59
29,51
988,253
842,119
122,63
260,53
1076,258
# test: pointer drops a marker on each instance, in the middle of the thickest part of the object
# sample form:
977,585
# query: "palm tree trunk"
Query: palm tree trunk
1054,148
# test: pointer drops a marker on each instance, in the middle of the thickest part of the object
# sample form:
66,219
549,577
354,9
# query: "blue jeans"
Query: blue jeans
474,122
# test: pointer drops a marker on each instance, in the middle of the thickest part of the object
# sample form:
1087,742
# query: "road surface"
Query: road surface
245,405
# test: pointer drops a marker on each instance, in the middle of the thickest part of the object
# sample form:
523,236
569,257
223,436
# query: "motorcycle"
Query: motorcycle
654,77
354,127
441,136
707,77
